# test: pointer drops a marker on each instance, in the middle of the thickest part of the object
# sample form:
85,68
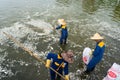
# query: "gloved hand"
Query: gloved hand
47,63
91,52
66,77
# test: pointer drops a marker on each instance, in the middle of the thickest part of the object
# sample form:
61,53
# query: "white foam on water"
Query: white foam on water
18,30
109,29
73,44
42,13
46,27
73,76
49,47
2,57
30,46
3,70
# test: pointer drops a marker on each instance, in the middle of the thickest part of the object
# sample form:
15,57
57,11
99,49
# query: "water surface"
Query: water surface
31,22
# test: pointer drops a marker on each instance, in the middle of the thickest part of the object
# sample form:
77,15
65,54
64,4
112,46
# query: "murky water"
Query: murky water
31,22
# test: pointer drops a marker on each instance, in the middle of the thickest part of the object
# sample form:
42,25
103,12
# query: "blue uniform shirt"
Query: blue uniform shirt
64,33
97,55
57,60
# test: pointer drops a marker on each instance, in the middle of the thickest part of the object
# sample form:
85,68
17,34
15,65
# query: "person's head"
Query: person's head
61,22
68,56
97,37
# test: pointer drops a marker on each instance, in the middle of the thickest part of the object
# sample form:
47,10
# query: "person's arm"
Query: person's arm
48,61
66,72
50,55
58,27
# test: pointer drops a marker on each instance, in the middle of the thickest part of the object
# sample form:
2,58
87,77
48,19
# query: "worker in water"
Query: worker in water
98,52
59,63
64,31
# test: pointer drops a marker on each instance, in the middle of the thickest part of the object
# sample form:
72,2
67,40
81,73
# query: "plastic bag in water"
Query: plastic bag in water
87,55
113,73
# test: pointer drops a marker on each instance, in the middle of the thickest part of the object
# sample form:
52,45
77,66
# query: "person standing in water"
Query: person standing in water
98,52
59,62
64,31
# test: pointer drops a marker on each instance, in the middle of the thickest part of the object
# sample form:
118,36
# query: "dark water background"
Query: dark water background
31,22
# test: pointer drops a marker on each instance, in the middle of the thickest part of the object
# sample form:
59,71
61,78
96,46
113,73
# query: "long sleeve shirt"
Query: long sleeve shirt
58,61
97,55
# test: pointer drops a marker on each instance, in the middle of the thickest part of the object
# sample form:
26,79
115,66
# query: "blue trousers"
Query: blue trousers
63,40
54,76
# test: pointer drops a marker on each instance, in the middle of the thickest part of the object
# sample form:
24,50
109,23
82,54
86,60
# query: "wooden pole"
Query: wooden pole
30,52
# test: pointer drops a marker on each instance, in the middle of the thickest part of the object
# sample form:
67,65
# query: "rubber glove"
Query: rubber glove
91,52
66,77
47,63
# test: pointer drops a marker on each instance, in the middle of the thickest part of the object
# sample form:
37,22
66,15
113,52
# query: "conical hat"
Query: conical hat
61,21
96,37
68,56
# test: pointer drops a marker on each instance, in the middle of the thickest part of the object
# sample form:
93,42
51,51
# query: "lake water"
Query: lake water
31,22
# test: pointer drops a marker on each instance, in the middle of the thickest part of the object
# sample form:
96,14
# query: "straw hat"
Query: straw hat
97,37
61,21
68,56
